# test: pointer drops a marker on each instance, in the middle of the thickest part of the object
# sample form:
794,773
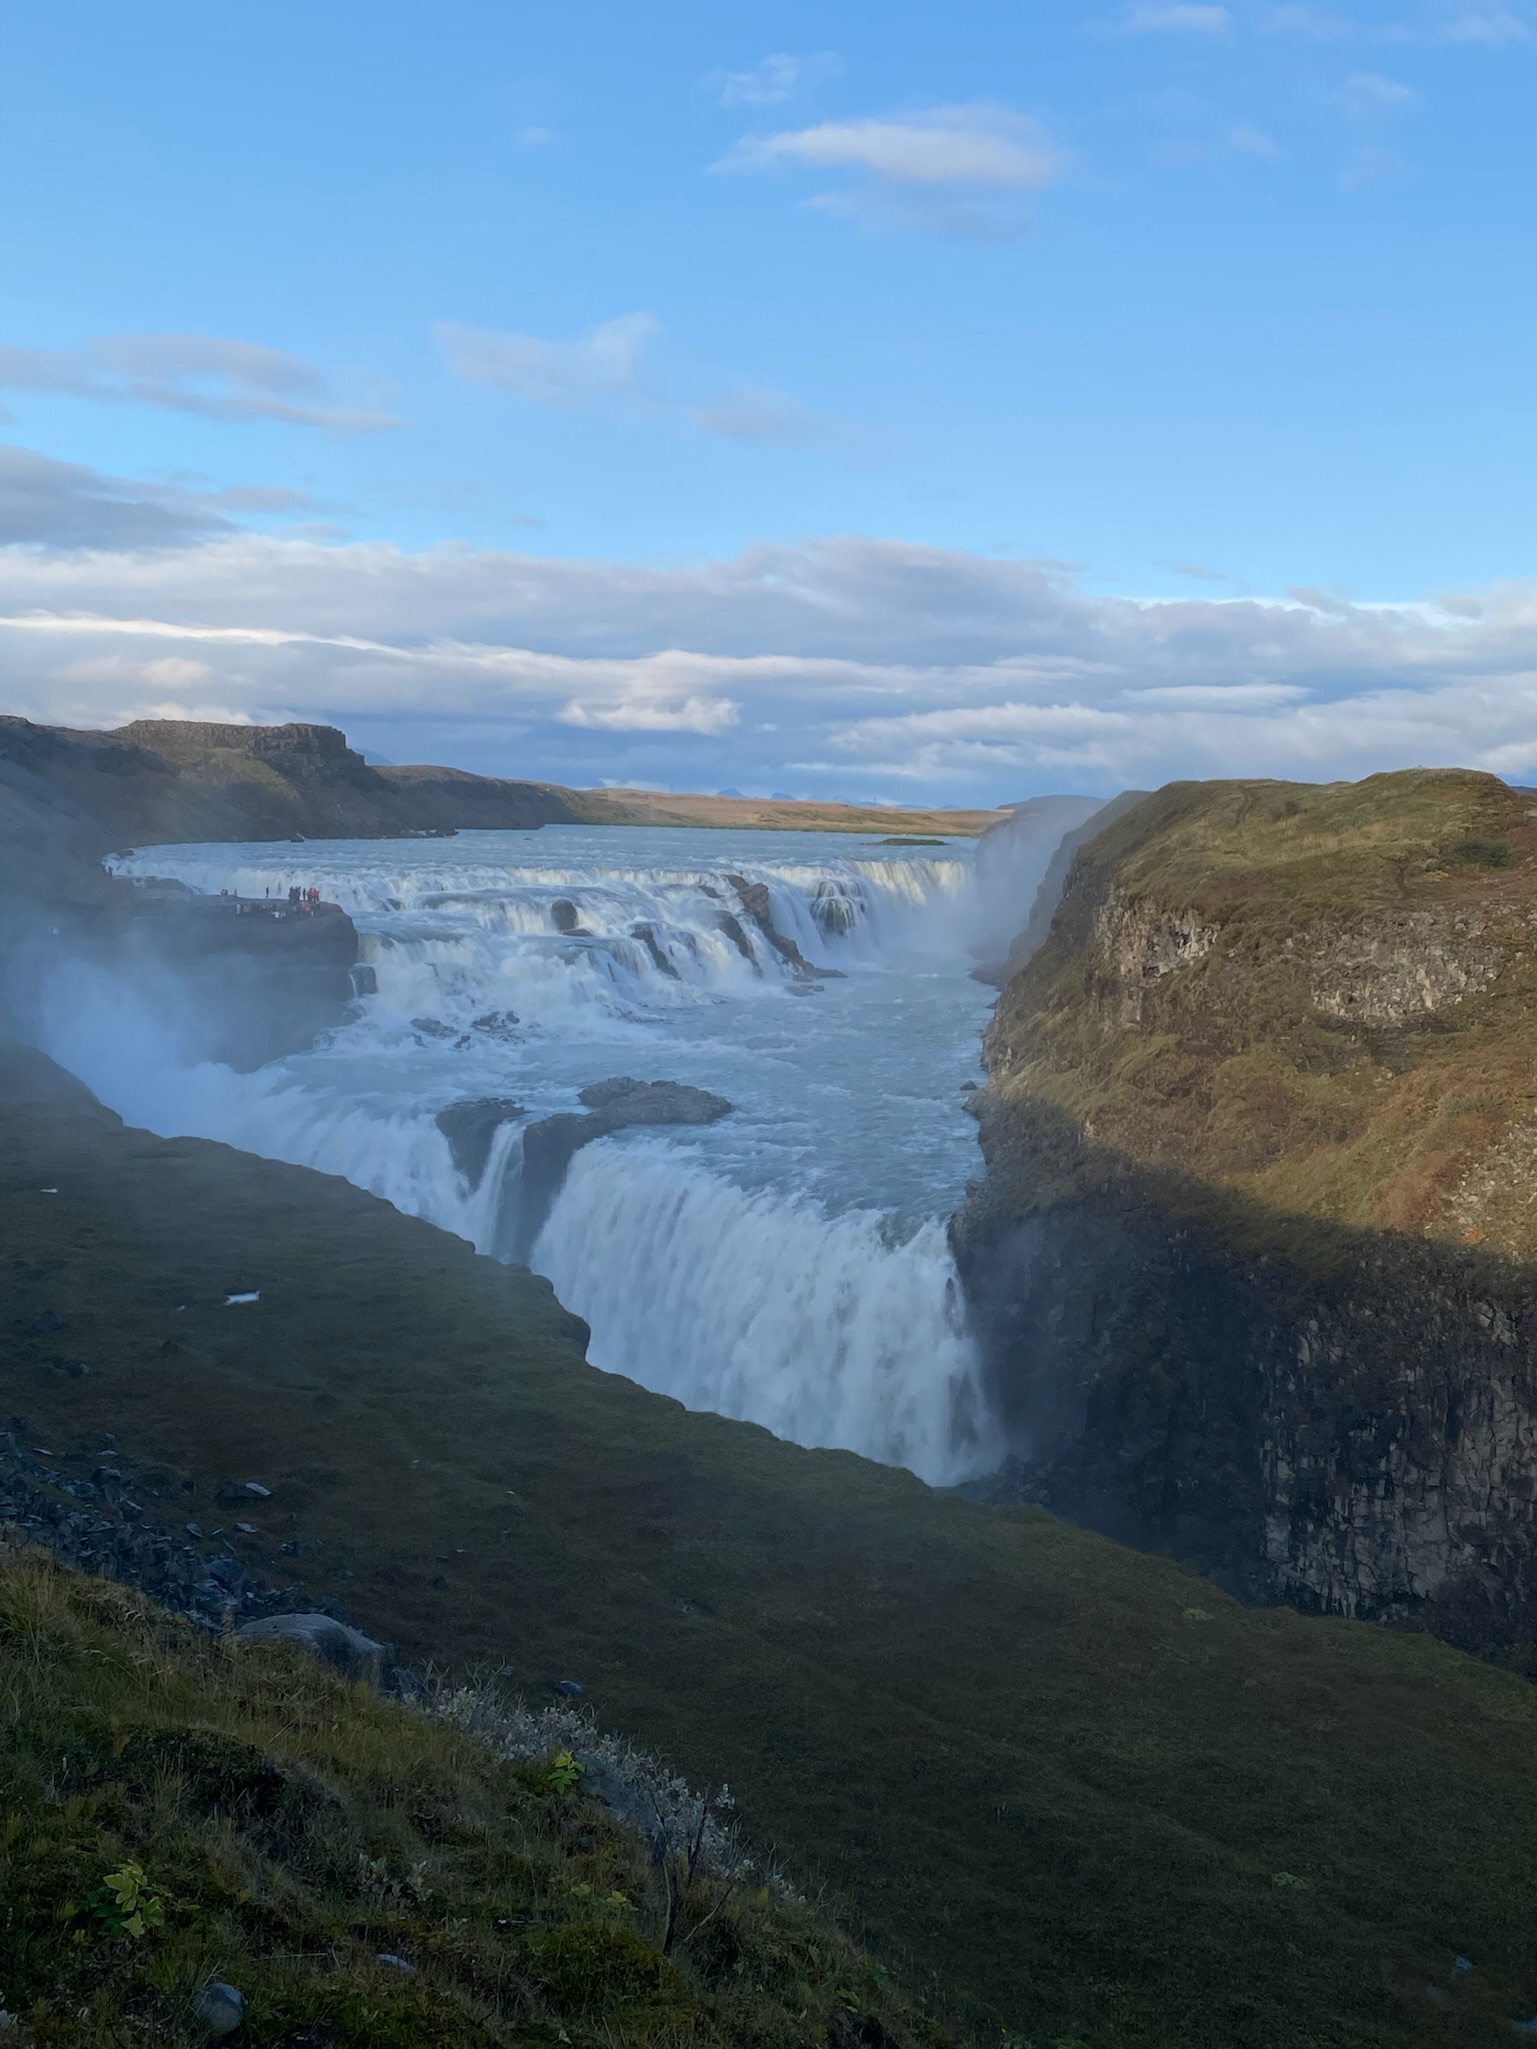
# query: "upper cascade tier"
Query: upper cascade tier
461,941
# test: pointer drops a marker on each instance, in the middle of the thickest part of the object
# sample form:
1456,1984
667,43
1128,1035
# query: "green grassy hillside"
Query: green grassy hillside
296,1832
1065,1790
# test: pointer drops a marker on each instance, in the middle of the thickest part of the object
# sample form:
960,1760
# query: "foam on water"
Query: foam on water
787,1266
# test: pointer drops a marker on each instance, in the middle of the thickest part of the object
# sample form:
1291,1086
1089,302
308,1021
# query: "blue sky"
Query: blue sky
891,401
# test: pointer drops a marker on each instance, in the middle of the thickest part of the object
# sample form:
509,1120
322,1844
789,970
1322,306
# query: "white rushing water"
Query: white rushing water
786,1265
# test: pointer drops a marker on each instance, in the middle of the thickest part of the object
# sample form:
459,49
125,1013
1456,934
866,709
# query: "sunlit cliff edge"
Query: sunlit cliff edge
1252,1257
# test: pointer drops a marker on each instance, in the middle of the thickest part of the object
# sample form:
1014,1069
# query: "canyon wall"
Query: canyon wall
163,780
1252,1260
242,983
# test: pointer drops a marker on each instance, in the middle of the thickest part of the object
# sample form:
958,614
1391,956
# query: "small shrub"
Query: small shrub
565,1772
123,1907
585,1966
1480,853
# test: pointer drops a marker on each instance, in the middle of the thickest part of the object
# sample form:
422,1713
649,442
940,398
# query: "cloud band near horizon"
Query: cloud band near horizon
873,667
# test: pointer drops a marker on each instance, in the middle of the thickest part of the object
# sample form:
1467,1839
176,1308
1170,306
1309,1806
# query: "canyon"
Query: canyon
1246,1284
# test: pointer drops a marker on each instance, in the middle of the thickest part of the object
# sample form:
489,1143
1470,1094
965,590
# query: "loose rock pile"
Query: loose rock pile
96,1525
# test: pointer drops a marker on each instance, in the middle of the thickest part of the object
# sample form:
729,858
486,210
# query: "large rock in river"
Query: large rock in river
471,1127
550,1145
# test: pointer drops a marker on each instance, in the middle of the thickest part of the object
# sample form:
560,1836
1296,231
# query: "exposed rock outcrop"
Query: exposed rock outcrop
471,1128
550,1145
335,1643
1253,1260
233,981
245,983
758,906
567,920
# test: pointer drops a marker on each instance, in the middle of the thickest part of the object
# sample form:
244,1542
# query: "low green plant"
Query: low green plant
123,1906
565,1772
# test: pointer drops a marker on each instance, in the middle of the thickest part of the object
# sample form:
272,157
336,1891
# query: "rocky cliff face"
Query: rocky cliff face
242,983
1253,1258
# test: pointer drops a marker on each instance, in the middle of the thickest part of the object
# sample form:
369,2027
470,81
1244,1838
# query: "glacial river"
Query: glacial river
788,1264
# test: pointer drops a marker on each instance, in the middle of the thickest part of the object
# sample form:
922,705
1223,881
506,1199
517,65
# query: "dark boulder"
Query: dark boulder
756,903
567,919
349,1650
646,934
622,1101
613,1105
496,1024
470,1128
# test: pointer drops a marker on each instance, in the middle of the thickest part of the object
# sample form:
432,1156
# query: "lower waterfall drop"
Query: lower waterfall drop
763,1308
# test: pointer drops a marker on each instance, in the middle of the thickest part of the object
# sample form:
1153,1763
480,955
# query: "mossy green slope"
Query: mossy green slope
1316,1000
296,1833
1061,1787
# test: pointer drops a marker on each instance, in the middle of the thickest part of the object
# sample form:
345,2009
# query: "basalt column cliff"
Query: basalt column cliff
1253,1258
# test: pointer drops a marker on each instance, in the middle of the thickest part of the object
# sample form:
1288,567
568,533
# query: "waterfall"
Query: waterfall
458,940
764,1308
789,1265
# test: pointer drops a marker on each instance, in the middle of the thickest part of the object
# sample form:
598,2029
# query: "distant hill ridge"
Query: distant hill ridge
159,781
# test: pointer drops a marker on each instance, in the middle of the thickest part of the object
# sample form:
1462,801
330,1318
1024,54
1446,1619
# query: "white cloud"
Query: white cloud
770,418
1312,24
1200,572
604,363
977,145
1367,97
953,170
262,498
656,700
190,373
1249,141
1494,30
777,79
44,502
963,676
608,364
1178,20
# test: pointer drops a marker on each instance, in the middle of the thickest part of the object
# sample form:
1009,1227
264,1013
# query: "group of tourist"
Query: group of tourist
303,901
